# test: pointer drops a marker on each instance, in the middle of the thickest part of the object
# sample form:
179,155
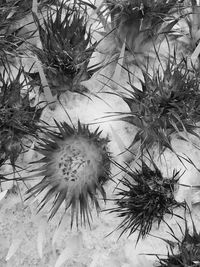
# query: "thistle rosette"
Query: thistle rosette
76,164
144,198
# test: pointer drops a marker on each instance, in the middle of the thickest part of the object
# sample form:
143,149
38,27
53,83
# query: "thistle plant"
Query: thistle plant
66,48
18,119
187,250
144,199
167,104
75,166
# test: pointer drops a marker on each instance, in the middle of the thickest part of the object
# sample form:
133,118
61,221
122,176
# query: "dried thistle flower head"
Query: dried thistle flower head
76,164
66,48
145,198
18,119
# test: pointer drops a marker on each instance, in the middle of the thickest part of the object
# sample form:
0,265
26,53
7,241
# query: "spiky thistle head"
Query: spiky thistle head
144,198
138,22
167,104
66,48
18,119
187,250
76,164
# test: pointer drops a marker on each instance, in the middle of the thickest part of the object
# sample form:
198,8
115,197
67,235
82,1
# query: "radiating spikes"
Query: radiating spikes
94,200
77,212
102,191
86,211
73,207
38,187
69,130
49,195
57,203
64,134
83,208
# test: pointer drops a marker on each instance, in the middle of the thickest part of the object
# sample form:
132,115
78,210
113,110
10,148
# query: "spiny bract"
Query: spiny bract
76,165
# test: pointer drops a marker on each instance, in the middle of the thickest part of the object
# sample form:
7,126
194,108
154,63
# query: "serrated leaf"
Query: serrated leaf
13,248
3,194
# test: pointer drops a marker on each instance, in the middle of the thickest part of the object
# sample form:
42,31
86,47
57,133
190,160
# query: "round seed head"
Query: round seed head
76,165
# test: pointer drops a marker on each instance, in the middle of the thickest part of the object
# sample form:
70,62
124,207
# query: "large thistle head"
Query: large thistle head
167,104
18,118
66,48
185,252
76,164
144,198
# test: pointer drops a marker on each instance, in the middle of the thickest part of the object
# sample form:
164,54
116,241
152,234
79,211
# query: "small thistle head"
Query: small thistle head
187,250
66,48
166,105
18,119
12,11
145,198
76,166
